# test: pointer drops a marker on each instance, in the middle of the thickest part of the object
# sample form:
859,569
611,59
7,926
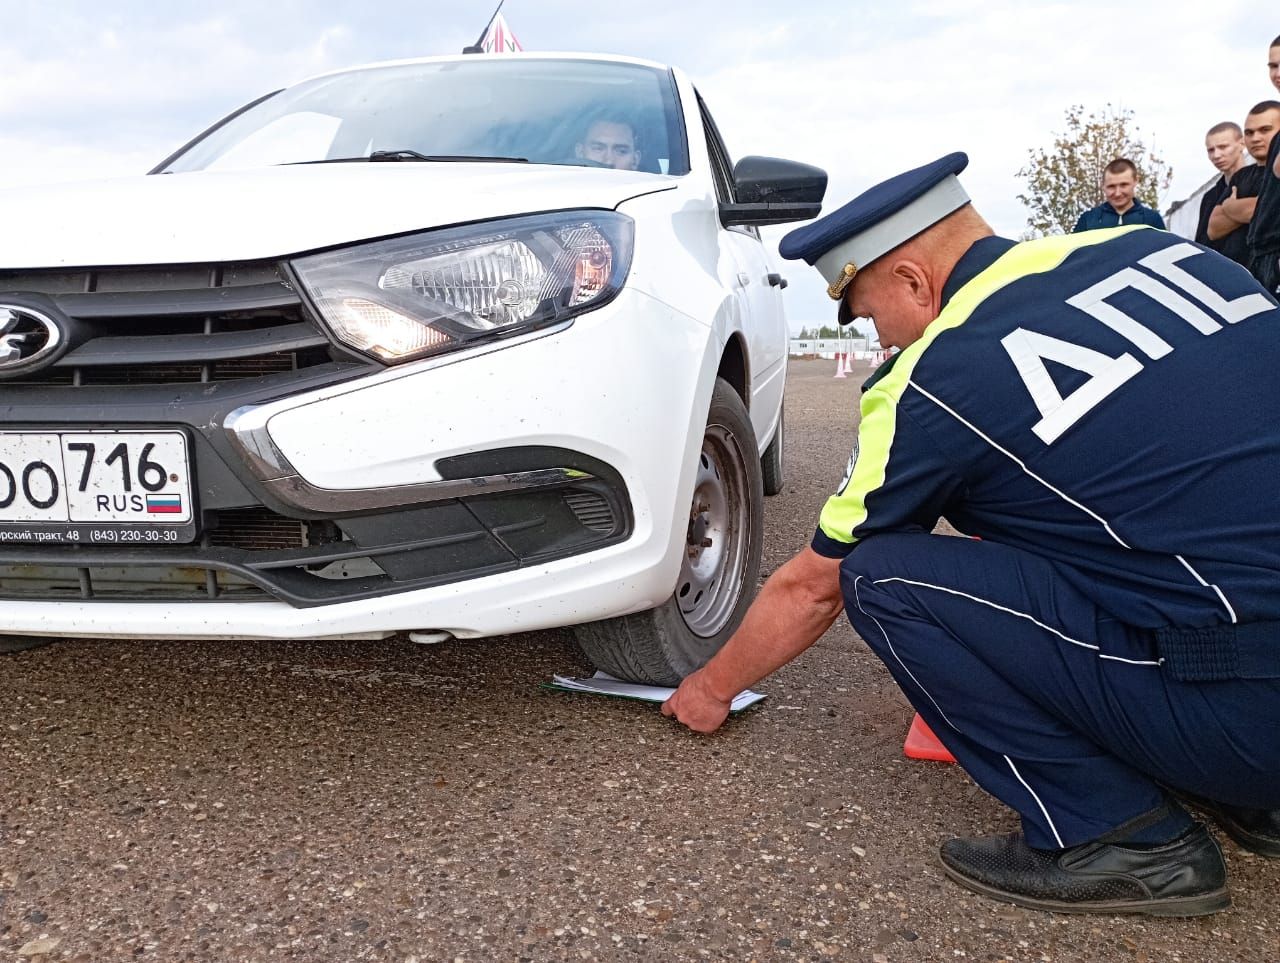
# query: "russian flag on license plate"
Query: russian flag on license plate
164,504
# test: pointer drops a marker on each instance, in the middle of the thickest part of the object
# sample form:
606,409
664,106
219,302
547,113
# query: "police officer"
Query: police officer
1096,409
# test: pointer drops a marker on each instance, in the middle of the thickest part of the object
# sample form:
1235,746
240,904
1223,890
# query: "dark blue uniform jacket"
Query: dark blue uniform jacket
1107,401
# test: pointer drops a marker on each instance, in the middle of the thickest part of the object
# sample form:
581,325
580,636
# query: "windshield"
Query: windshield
579,112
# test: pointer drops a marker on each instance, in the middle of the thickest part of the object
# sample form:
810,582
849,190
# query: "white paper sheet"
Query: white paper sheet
604,684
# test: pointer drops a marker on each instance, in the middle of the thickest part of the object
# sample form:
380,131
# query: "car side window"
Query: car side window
721,164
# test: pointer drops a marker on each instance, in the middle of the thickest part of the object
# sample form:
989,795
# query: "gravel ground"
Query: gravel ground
385,801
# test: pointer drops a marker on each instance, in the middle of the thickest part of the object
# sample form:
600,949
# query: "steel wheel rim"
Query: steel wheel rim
711,575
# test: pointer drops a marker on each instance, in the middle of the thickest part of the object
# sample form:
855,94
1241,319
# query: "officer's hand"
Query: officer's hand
695,706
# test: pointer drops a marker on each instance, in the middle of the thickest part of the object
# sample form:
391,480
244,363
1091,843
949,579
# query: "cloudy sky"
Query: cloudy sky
862,89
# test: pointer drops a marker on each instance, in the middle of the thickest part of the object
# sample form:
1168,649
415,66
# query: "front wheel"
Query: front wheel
718,570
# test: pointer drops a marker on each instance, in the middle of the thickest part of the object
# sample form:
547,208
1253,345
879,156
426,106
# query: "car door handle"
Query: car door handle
743,279
777,281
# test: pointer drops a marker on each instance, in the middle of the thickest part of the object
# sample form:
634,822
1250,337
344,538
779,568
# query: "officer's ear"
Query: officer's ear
914,281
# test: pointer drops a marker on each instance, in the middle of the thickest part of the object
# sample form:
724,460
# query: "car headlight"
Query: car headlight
438,291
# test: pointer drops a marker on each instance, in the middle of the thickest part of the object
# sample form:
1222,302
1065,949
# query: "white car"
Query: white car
466,345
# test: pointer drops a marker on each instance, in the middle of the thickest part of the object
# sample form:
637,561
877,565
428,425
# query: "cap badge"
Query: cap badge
835,290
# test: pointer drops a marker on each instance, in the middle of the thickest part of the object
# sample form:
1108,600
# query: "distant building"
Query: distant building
1183,216
826,347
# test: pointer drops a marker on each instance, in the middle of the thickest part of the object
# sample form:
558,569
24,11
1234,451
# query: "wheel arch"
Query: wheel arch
735,368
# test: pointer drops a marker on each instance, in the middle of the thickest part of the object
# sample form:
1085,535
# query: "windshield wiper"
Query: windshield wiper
401,156
413,155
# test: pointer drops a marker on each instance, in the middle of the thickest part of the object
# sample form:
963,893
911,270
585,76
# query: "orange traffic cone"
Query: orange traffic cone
840,365
923,744
848,363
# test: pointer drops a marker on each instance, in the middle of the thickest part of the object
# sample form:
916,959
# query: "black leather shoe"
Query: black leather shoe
1257,830
1186,877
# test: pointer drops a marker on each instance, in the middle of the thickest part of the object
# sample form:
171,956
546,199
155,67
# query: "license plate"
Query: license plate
95,486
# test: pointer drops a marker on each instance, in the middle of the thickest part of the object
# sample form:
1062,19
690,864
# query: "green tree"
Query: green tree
1064,180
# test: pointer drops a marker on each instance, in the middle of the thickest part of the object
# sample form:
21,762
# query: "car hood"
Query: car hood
246,215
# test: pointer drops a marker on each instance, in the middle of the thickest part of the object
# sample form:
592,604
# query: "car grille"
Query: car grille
257,529
188,324
254,553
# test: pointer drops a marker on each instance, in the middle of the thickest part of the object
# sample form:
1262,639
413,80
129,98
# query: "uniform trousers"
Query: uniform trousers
1056,709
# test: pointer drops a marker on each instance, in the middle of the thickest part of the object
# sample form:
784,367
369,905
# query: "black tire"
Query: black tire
717,580
771,472
10,644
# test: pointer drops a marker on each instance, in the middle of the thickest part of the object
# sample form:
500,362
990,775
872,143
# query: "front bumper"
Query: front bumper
617,396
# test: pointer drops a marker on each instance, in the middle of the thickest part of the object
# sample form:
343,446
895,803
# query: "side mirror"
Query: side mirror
774,191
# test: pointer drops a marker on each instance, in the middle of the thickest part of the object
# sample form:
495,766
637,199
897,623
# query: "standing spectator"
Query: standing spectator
1264,229
1229,220
1119,183
1224,143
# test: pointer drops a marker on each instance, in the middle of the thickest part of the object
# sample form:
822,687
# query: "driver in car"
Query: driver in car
611,142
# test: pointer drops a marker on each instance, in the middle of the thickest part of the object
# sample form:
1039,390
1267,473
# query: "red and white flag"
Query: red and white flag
499,38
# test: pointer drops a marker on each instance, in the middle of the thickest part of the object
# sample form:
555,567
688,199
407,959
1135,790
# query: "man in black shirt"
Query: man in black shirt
1264,229
1224,143
1230,218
